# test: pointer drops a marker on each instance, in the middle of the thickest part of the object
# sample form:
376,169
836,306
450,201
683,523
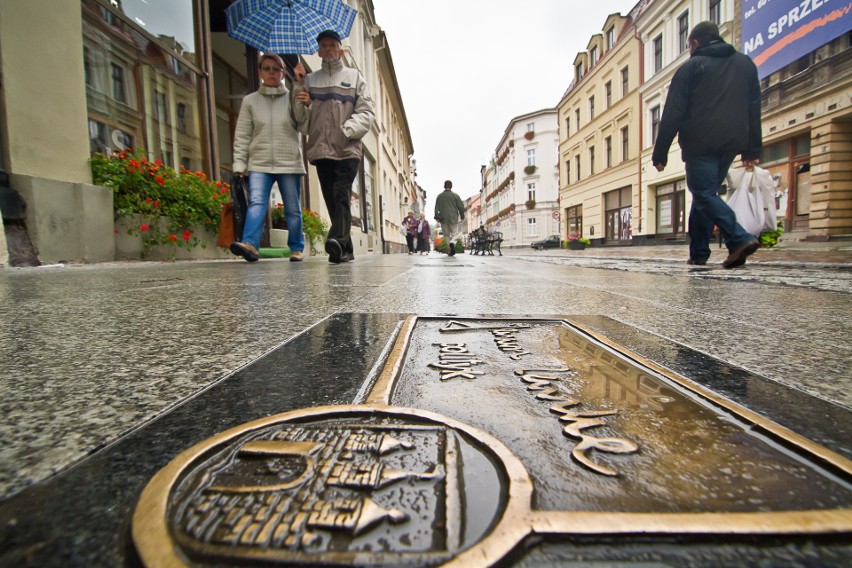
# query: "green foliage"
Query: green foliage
769,239
441,246
171,205
314,228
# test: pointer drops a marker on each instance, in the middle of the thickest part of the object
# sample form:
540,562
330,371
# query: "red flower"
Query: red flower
160,180
147,200
143,227
116,231
172,238
158,162
186,235
157,203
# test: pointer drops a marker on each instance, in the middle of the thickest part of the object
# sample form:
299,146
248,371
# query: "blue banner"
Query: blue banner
778,32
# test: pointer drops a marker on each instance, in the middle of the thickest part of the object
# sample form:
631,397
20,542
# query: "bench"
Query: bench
481,242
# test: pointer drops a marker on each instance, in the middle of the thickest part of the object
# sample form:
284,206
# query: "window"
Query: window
608,151
162,108
531,127
181,118
682,32
186,163
716,11
531,191
658,53
579,71
625,143
577,165
567,172
574,217
88,72
655,123
577,116
594,55
531,157
608,93
567,126
617,205
625,75
610,38
592,107
118,83
532,231
671,211
591,160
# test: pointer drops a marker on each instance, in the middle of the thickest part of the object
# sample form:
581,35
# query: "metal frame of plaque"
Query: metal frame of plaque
379,484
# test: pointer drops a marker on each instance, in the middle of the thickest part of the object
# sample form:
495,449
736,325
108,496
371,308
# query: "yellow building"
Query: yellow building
164,78
598,143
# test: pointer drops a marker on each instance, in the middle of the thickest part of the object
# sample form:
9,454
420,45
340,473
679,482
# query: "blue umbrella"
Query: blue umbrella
287,26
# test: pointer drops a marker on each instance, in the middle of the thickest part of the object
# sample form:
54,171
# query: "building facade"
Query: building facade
599,138
522,196
168,80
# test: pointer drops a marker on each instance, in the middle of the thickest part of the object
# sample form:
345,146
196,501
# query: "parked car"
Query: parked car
553,241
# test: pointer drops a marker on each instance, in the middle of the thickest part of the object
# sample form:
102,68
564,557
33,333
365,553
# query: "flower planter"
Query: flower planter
131,247
530,204
576,245
529,170
529,135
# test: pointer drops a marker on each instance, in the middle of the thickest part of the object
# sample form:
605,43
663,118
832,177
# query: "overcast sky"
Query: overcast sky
467,67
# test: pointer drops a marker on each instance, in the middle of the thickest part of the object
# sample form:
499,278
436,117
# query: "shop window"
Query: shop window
574,219
617,207
671,203
143,55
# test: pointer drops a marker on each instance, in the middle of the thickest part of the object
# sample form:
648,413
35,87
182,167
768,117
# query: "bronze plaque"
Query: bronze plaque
347,485
477,434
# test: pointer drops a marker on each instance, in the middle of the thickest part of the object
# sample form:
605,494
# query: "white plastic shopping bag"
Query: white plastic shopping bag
752,200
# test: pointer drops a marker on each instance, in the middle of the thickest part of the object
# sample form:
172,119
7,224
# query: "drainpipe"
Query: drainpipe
641,115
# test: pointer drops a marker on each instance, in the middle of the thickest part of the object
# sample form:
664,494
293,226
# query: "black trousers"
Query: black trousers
336,177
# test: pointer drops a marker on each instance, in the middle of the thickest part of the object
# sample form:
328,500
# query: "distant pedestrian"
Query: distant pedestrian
341,114
409,224
424,233
267,148
713,106
449,212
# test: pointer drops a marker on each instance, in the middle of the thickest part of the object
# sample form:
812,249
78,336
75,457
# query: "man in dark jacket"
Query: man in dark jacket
713,106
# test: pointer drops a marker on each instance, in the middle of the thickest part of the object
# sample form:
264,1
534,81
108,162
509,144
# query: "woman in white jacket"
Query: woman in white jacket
267,148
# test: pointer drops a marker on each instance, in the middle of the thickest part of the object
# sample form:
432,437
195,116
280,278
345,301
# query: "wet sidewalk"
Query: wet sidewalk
830,254
110,371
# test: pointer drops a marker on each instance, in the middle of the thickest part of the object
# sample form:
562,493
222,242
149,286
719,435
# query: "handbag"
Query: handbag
226,226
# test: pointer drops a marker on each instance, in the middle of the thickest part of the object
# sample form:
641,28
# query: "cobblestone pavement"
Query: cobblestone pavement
91,352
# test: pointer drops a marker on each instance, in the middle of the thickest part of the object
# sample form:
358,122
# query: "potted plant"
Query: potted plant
530,203
278,220
529,170
577,241
314,228
159,206
529,135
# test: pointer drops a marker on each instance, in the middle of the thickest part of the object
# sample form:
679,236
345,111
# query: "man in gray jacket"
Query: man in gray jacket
341,114
449,212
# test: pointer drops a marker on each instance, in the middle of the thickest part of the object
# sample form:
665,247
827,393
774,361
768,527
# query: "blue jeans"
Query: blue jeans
704,176
260,187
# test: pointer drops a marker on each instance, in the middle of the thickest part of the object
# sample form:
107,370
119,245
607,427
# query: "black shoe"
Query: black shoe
696,262
738,256
347,257
452,249
334,250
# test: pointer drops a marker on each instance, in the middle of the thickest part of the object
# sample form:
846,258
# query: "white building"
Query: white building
523,203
